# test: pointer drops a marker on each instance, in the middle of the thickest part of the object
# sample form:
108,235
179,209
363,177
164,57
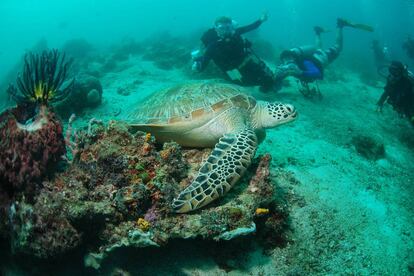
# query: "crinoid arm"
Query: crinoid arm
222,169
43,79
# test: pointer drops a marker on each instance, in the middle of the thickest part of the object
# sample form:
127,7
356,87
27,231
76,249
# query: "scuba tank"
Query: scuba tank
307,51
299,53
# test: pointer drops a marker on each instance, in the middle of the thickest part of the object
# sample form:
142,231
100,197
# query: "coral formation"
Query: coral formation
86,93
261,211
127,47
40,230
143,224
30,149
167,51
31,136
118,193
264,49
77,48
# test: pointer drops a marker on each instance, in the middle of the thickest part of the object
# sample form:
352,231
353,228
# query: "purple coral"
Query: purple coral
29,150
152,215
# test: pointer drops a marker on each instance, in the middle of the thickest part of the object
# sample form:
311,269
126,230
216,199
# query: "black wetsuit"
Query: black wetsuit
400,95
235,53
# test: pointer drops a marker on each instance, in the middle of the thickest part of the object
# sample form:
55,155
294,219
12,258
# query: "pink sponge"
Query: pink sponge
29,149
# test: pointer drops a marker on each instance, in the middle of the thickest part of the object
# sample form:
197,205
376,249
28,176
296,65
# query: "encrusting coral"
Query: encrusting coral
28,151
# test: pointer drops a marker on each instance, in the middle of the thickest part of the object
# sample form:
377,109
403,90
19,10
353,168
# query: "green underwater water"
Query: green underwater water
348,213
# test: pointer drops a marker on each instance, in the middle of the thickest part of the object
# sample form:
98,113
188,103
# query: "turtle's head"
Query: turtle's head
268,115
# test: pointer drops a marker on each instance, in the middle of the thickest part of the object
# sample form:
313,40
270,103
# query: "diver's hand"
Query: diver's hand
290,69
196,67
293,70
279,73
264,17
195,54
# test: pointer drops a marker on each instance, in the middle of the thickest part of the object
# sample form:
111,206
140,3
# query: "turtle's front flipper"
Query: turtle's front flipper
225,165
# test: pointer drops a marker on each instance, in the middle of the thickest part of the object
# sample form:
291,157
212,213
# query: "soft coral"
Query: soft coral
29,151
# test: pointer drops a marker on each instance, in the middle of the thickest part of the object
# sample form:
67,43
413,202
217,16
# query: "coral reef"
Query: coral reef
127,47
167,52
83,54
264,49
30,149
86,93
40,230
77,48
31,136
117,193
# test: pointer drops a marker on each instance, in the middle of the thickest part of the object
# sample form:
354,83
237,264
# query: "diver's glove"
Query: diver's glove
280,72
293,70
289,69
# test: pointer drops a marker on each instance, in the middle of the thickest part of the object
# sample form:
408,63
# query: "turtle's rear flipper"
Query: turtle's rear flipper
225,165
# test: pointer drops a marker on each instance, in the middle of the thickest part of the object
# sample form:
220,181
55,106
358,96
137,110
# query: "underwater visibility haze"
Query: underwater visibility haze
206,137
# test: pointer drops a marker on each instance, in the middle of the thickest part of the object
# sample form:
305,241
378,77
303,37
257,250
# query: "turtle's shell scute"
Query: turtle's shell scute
188,102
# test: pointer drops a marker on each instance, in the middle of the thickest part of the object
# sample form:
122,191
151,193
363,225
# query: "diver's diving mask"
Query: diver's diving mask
225,29
396,72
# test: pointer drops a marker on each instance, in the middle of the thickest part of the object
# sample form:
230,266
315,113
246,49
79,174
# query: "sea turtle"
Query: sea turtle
215,115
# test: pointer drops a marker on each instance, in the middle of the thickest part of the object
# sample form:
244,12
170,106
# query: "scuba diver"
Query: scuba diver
233,54
399,91
307,63
408,46
381,55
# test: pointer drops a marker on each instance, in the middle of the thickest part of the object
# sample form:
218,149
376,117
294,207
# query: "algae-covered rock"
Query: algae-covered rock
40,231
87,93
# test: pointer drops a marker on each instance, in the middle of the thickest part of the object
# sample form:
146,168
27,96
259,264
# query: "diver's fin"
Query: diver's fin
363,27
345,23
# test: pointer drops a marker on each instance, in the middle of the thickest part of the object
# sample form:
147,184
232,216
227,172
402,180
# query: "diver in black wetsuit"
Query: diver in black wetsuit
399,91
233,54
